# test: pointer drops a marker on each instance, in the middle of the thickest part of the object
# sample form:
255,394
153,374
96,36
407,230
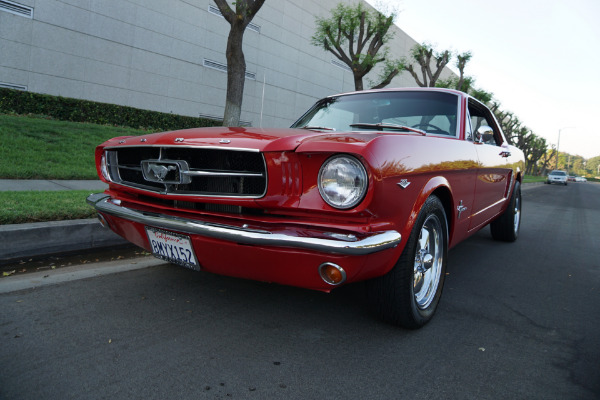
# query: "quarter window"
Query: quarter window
480,116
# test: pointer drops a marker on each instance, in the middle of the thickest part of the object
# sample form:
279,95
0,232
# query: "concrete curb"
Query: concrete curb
66,274
46,238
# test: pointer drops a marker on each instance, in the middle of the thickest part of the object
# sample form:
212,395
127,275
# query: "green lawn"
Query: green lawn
38,148
33,206
531,178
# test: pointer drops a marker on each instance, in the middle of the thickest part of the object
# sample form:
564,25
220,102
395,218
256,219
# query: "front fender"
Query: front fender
434,184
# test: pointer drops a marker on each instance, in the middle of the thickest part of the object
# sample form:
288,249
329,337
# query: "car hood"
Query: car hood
248,138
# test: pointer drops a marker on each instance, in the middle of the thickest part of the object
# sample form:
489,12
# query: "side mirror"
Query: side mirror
484,134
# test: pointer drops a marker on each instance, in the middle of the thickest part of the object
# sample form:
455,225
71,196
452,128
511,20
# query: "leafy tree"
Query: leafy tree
545,162
593,166
423,55
539,149
533,146
462,82
239,19
510,124
482,95
461,62
576,165
356,36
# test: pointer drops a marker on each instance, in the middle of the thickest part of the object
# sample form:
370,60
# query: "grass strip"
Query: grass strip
531,178
36,206
38,148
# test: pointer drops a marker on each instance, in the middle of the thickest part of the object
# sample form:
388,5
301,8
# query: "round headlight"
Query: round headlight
342,181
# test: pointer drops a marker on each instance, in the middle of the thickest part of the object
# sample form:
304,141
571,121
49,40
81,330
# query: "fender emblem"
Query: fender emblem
404,183
460,208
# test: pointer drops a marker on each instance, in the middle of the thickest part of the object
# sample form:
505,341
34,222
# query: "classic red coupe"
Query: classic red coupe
369,186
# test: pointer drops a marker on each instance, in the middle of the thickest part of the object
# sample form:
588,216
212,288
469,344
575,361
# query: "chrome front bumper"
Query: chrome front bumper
338,244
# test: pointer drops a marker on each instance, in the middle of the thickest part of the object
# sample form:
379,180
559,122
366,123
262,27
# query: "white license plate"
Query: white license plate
172,247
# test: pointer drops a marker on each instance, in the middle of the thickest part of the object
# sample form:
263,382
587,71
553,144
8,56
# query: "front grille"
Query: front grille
199,206
191,171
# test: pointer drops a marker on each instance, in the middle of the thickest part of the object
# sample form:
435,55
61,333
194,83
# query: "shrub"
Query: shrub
69,109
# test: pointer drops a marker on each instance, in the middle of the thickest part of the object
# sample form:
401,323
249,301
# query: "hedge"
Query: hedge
76,110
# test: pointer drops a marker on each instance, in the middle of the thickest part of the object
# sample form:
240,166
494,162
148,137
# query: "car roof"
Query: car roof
405,89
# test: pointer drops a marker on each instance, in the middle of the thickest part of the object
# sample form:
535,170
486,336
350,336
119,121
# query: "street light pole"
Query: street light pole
558,142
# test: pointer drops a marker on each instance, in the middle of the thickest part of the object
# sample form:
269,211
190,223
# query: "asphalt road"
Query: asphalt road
516,321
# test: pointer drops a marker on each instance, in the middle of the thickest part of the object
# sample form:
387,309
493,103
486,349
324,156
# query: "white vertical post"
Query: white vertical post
262,104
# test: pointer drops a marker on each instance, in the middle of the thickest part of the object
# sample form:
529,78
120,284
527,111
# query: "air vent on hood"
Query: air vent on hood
16,8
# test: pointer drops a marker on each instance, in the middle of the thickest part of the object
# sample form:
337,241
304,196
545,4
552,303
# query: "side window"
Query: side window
481,117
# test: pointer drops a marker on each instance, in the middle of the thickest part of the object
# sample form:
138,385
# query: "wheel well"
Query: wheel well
519,177
443,193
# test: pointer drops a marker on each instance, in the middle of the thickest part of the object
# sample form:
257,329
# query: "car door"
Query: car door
493,173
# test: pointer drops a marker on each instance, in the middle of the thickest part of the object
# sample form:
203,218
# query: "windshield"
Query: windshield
432,112
561,173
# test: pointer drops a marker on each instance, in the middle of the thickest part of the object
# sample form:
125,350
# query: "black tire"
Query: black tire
506,227
392,296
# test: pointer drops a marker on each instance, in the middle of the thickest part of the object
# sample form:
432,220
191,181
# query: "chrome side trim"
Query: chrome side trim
371,244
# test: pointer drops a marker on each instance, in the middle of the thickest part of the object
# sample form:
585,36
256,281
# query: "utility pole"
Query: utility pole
558,142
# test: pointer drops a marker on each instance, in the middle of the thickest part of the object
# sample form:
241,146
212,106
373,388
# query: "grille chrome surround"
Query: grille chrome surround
207,172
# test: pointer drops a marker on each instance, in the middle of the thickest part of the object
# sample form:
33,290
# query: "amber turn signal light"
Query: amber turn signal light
332,273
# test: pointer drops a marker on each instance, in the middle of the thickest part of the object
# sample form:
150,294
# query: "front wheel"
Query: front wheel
409,294
506,227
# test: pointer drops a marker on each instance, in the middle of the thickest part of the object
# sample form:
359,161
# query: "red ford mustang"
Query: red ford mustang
370,186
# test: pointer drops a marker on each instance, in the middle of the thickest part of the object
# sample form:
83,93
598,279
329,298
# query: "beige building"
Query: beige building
169,55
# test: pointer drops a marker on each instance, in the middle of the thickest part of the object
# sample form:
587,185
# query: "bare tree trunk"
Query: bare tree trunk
236,76
245,10
358,83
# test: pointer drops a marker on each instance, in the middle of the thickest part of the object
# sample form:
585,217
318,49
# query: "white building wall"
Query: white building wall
150,54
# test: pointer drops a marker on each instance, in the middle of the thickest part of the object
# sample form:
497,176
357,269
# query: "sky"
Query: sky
540,59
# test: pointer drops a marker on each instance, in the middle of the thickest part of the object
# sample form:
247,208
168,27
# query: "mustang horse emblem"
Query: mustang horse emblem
160,171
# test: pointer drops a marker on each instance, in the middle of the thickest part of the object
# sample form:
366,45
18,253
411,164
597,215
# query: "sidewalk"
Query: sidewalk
14,185
45,238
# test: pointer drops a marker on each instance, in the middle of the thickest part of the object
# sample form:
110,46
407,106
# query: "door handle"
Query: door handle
505,154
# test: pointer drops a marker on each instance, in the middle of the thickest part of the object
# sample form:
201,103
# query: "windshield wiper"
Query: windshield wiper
318,128
381,126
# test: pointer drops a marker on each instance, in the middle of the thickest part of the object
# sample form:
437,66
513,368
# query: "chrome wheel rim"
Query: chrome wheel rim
517,214
428,262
